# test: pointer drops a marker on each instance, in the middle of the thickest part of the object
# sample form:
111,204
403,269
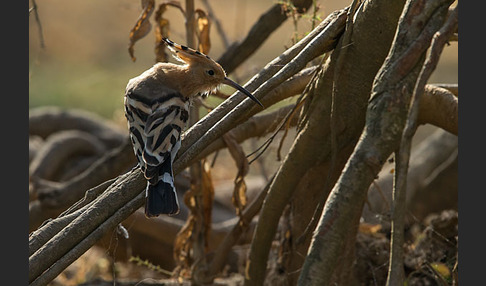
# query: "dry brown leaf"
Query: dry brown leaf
207,201
142,26
162,29
442,269
183,245
183,241
202,31
371,229
239,194
199,200
239,198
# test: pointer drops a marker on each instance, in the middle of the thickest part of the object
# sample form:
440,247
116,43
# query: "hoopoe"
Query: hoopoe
157,109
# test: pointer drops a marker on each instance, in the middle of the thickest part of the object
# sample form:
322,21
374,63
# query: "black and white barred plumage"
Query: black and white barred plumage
157,109
156,119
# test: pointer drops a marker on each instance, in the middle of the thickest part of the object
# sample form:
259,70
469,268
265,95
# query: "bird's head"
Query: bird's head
205,73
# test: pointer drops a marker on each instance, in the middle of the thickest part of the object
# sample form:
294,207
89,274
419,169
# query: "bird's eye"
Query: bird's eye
210,72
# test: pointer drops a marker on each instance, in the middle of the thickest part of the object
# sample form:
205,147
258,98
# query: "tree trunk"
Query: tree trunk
386,115
371,35
309,159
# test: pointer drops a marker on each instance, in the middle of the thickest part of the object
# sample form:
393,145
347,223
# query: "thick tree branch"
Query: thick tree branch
59,196
44,121
60,262
49,162
117,195
52,226
259,125
439,107
451,87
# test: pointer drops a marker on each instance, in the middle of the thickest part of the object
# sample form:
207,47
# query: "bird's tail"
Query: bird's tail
161,199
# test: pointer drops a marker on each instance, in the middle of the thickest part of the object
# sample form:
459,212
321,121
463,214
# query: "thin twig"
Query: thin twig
382,195
300,102
217,23
285,121
35,9
266,24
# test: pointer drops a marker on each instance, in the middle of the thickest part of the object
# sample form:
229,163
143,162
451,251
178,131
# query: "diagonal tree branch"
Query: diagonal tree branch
439,107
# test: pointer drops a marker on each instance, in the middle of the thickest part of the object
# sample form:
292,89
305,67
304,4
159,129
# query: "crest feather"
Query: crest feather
185,54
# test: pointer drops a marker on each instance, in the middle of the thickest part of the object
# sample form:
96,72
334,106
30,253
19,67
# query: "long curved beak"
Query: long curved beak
233,84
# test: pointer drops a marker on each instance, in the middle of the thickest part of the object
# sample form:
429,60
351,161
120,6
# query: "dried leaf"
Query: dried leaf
239,198
183,241
142,26
199,200
371,229
239,194
207,201
183,244
162,29
442,269
202,31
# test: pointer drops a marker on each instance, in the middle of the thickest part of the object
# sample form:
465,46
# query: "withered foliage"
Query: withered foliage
239,198
162,28
202,31
199,200
142,26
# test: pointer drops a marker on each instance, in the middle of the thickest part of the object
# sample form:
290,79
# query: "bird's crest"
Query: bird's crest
186,54
210,73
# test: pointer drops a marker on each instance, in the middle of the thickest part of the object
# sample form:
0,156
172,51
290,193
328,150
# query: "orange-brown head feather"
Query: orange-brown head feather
205,75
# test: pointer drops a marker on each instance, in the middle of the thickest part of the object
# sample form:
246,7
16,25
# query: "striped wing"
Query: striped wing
156,125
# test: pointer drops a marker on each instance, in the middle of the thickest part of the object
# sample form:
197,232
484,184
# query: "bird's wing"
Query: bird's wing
156,124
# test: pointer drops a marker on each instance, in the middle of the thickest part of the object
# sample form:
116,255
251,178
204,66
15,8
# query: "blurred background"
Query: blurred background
85,62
